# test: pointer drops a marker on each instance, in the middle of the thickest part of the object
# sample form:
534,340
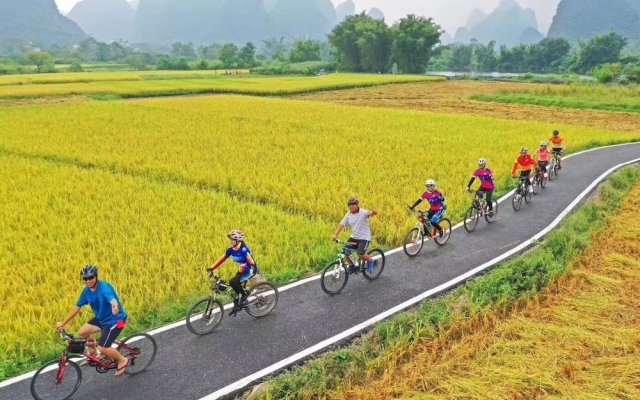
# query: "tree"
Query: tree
547,55
274,49
229,55
305,50
41,59
362,44
414,41
462,57
485,56
247,55
183,50
599,50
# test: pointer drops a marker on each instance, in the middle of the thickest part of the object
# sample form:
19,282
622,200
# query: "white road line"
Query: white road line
292,285
445,286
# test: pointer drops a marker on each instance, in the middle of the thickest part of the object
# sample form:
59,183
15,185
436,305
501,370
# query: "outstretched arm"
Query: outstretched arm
218,263
372,213
72,314
338,231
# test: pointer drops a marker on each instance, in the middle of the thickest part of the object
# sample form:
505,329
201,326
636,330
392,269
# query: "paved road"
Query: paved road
191,367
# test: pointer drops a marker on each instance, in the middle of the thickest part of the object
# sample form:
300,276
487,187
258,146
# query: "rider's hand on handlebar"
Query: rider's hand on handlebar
469,189
59,326
334,238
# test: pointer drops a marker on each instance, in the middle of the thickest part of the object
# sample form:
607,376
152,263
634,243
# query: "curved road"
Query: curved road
306,320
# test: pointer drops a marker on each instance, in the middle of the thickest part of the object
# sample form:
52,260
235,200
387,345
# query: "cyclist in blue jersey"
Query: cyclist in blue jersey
241,254
110,317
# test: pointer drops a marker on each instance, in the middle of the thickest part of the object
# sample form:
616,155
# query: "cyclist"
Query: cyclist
544,156
526,163
110,317
558,146
437,208
358,219
487,184
241,254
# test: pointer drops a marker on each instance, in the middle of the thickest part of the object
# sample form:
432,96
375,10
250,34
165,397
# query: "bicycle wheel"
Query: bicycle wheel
263,298
527,195
516,201
141,349
57,384
334,278
543,180
413,242
490,217
378,255
471,219
535,185
445,224
205,316
551,170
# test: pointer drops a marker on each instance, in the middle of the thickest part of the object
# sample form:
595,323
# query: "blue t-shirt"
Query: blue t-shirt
100,302
240,256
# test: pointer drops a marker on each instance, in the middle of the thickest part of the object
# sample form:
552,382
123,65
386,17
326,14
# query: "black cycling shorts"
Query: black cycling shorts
108,333
361,245
557,150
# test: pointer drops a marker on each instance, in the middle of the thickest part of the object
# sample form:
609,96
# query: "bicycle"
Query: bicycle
414,239
554,165
478,210
335,275
140,349
206,314
539,181
521,192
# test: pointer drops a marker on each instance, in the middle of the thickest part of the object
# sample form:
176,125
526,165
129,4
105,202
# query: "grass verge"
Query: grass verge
502,290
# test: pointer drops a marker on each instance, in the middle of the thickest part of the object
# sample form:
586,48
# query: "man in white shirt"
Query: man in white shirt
358,219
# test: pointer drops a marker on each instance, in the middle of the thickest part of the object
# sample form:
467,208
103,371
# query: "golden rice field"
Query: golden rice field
152,239
300,157
128,84
579,341
456,97
147,188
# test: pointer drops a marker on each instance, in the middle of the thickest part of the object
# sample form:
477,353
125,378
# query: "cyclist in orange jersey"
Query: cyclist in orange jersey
525,163
558,146
544,156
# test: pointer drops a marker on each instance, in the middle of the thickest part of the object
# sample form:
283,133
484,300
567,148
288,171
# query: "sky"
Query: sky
449,14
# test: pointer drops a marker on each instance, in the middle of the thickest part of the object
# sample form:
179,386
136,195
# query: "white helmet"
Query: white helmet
482,161
543,144
430,182
236,234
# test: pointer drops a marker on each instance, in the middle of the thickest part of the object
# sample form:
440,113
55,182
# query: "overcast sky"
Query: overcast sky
450,14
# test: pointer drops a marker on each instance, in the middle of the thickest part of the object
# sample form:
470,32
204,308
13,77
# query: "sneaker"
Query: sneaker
546,174
530,188
371,266
352,270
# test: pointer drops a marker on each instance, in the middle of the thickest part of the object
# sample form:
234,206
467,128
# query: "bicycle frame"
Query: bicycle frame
424,225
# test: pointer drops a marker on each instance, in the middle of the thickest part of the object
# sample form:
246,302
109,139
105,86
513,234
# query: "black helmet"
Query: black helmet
352,201
89,271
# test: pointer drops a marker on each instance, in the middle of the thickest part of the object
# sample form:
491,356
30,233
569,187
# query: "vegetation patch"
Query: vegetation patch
592,97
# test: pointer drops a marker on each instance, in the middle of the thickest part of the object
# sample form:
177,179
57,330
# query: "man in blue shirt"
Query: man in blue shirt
110,317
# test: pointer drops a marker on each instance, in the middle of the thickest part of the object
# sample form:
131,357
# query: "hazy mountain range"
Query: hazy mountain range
583,19
508,24
239,21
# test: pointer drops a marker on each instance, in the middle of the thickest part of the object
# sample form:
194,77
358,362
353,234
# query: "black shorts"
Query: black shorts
557,150
525,174
108,333
361,246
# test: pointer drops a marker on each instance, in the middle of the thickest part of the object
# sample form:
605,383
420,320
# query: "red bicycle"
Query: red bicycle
59,379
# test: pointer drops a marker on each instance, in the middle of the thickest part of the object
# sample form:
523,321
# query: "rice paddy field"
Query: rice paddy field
147,188
579,340
163,83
